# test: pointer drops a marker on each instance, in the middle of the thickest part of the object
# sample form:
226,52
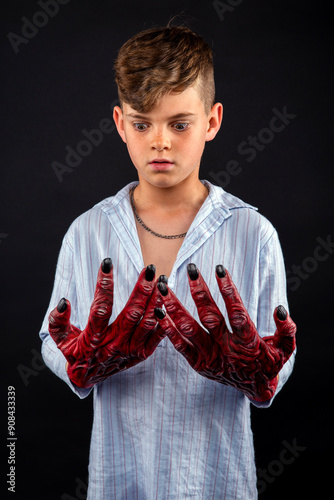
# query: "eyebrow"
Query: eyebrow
174,117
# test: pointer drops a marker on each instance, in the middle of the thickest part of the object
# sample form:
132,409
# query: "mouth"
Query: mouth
161,164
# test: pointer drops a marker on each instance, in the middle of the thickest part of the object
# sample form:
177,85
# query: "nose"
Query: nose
161,140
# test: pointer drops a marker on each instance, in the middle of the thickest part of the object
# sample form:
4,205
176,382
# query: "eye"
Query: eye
141,127
180,127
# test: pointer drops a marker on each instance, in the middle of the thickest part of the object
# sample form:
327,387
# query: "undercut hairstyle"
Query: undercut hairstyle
161,60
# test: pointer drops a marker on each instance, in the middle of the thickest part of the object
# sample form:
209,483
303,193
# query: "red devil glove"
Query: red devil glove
240,358
101,350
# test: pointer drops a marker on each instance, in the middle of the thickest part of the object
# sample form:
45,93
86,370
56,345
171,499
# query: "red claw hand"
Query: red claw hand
240,358
99,350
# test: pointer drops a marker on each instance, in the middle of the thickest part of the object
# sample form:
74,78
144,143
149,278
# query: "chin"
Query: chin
161,179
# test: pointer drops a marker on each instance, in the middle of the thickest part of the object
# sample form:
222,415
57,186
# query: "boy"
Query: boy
171,398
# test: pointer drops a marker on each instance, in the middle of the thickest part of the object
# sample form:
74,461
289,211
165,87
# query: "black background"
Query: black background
268,54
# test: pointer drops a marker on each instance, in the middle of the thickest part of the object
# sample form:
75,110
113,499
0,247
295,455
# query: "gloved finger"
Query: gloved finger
199,358
101,307
135,307
62,331
147,334
208,311
285,335
185,324
182,344
153,340
59,321
240,321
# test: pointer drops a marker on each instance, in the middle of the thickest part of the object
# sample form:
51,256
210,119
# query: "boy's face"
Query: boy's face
166,144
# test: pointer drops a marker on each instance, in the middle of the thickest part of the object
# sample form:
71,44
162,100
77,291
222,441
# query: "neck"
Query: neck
185,195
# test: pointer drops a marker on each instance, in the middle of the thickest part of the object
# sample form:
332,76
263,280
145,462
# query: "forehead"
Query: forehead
172,105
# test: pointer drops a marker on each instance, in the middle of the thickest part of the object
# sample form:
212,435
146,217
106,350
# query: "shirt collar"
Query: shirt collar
224,200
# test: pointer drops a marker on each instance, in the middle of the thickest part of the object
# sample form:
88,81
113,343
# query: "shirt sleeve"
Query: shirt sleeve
272,293
64,286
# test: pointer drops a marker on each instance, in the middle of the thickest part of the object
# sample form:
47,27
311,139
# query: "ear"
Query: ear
119,122
215,119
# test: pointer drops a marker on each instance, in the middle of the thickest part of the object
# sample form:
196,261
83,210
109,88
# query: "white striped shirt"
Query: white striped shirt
161,431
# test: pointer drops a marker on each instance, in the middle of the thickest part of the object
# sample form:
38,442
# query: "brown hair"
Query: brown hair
160,60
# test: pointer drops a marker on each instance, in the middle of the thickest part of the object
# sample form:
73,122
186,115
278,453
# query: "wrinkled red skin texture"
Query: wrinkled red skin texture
241,358
99,350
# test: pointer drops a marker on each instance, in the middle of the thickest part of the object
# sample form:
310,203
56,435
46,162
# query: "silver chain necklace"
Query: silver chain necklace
171,237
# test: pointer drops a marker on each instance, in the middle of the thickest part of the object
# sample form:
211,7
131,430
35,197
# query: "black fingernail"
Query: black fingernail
160,314
162,288
163,279
281,313
220,270
62,305
192,271
106,265
150,272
